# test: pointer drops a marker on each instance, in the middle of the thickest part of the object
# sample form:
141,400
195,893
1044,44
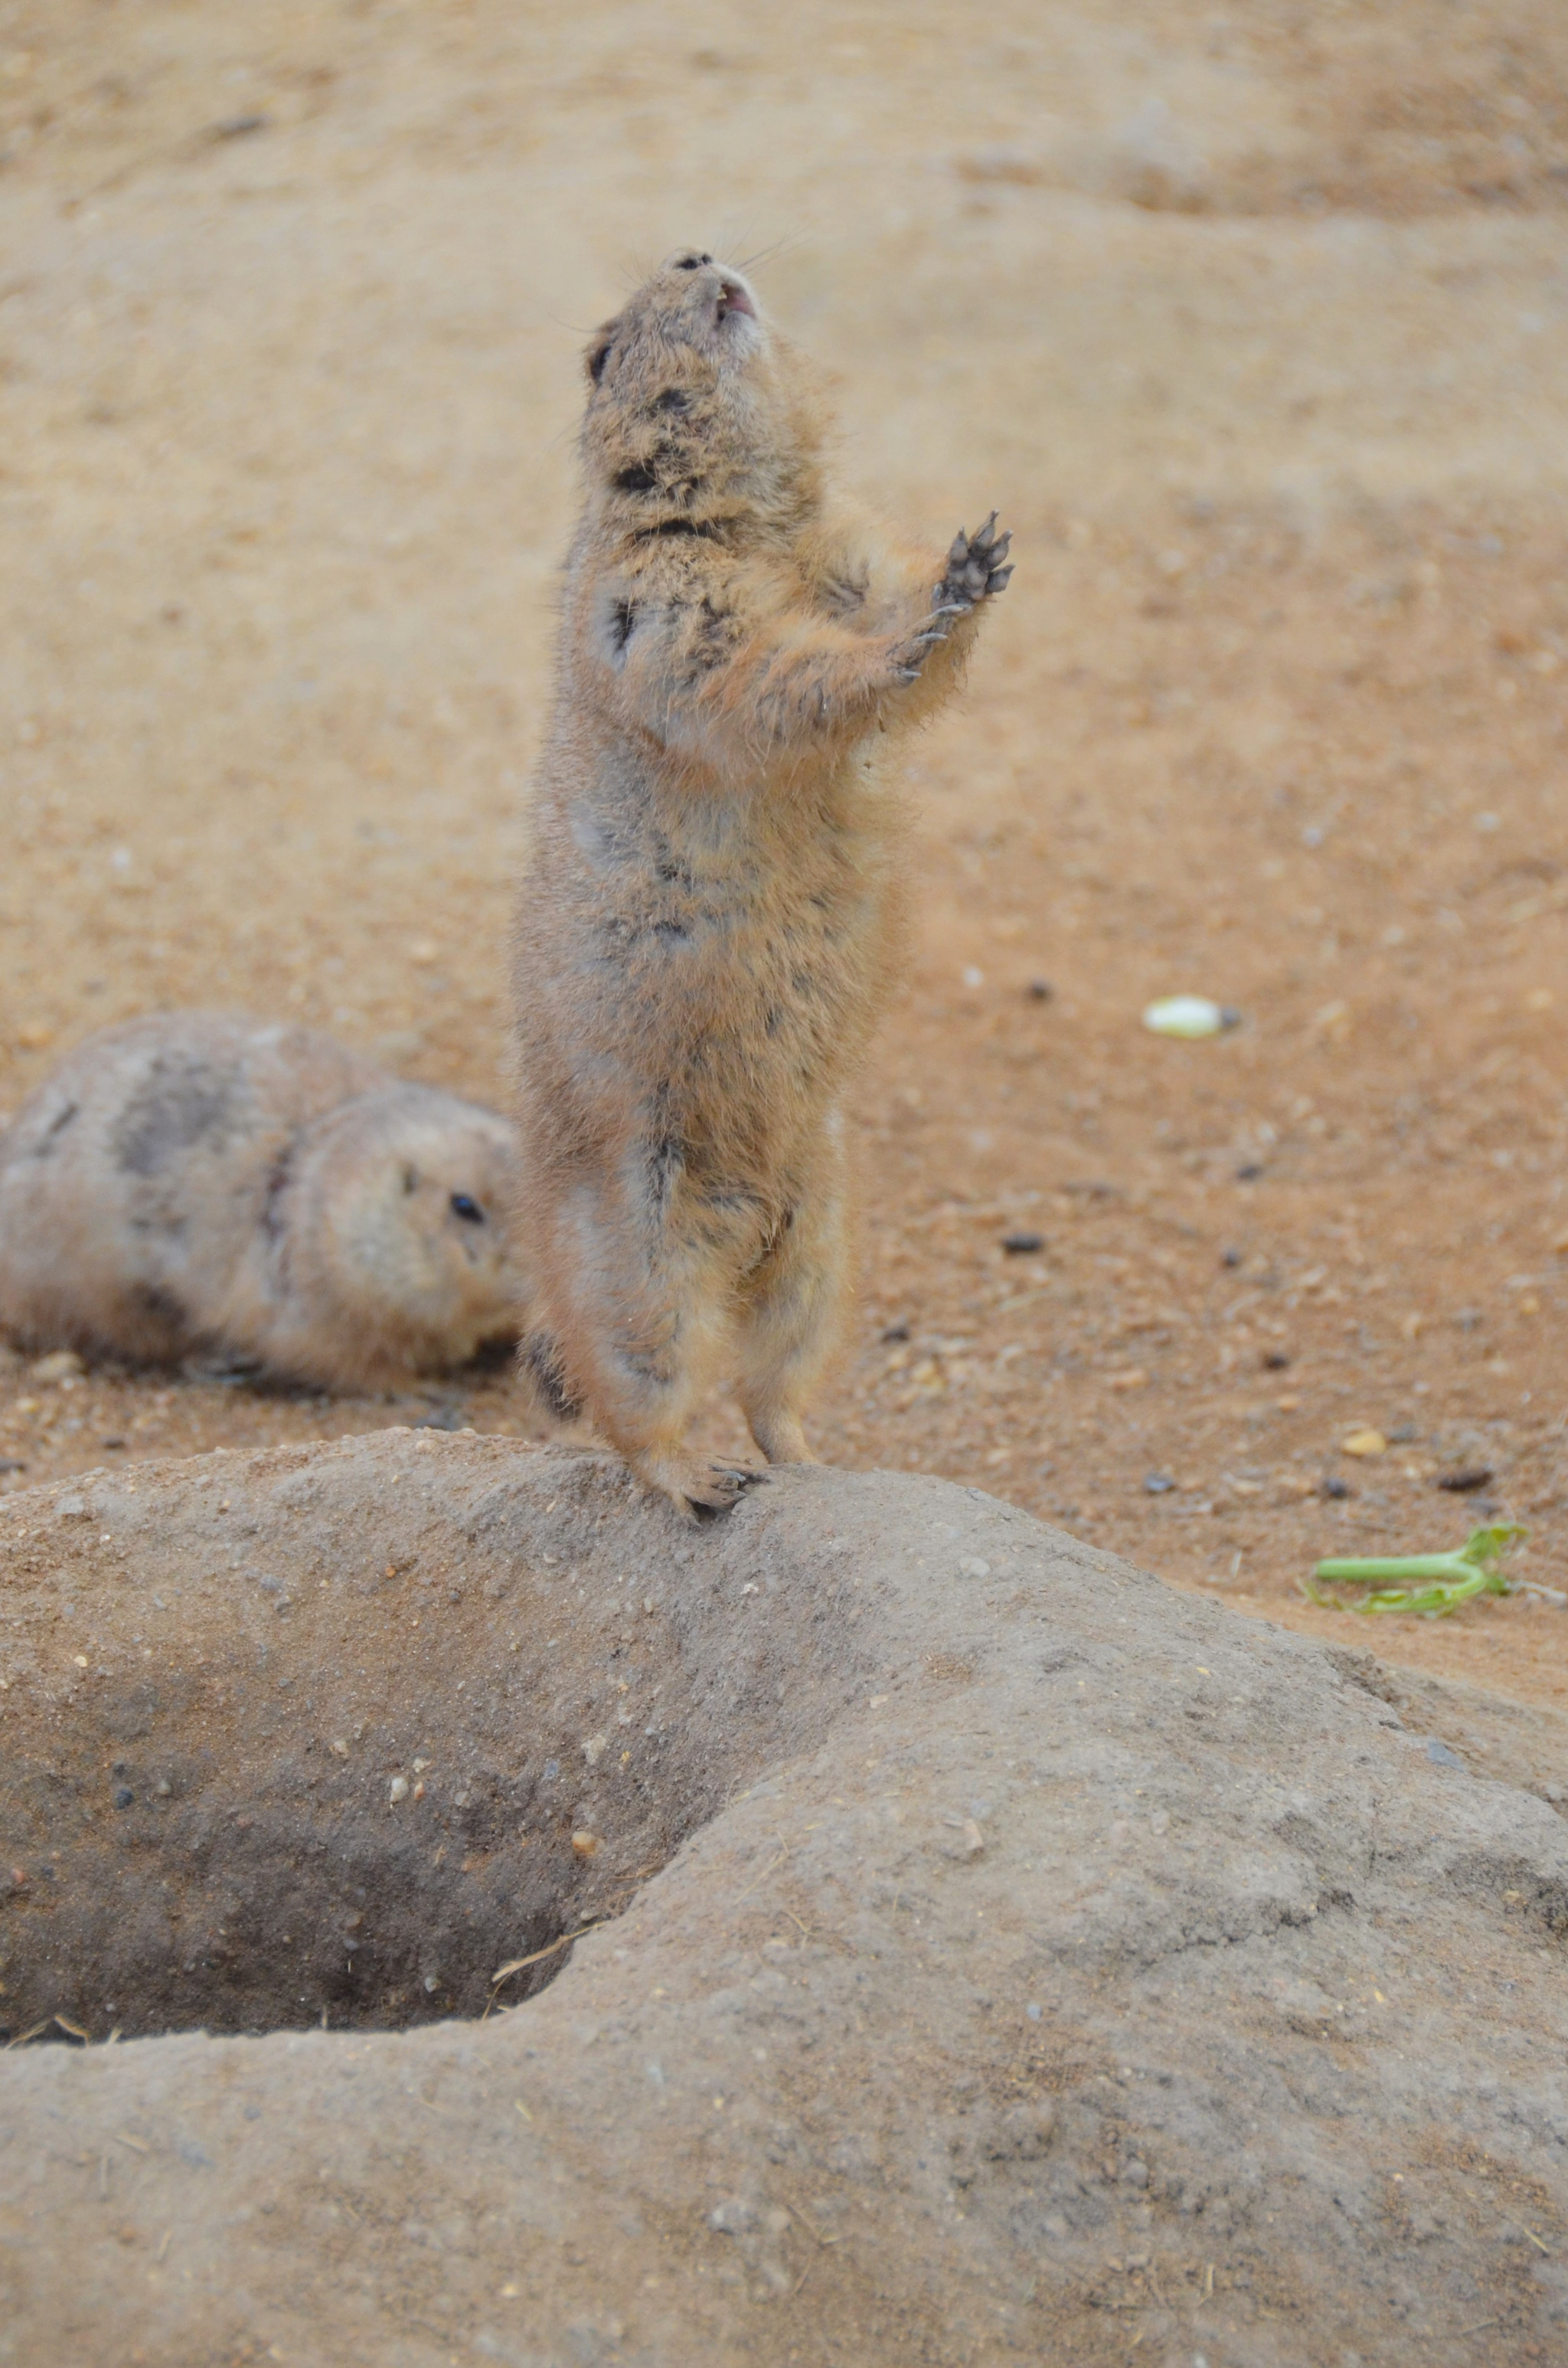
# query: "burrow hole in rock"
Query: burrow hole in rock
189,1915
315,1809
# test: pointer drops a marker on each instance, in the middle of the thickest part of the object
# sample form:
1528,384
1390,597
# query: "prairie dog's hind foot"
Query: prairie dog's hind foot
699,1490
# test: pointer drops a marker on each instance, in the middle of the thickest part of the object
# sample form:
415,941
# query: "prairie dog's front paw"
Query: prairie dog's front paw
976,569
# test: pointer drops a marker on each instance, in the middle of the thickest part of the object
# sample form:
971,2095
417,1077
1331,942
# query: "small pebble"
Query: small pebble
584,1844
1039,990
1364,1443
123,1796
1158,1484
1469,1477
398,1789
1441,1756
1276,1361
896,1332
1022,1244
1331,1484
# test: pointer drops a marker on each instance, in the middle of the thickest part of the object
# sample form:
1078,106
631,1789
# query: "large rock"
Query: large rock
1001,1956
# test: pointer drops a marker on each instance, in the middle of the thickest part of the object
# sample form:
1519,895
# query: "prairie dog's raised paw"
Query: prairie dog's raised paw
976,568
976,571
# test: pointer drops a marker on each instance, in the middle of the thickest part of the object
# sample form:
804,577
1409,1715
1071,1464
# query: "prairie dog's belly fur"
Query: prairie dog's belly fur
712,911
204,1184
727,965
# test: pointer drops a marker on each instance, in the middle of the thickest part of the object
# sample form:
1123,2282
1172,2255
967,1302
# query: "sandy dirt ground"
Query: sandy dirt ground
1255,323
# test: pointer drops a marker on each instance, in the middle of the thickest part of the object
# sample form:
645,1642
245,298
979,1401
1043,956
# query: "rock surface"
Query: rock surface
1003,1956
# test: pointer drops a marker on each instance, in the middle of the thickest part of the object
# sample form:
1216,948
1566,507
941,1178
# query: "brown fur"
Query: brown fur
711,919
198,1184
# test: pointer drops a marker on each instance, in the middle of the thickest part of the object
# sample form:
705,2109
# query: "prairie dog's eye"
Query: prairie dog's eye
597,360
464,1205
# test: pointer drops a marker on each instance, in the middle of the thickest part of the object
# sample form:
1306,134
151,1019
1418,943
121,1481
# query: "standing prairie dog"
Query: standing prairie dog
198,1183
711,918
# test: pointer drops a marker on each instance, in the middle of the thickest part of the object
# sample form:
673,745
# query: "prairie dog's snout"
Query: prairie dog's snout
717,286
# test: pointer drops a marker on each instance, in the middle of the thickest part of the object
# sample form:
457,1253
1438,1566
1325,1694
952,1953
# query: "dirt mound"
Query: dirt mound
1001,1953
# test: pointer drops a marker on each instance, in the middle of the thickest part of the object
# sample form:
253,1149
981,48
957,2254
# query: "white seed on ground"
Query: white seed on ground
1189,1015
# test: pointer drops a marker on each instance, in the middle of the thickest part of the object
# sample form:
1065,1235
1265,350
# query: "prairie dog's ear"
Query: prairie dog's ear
598,352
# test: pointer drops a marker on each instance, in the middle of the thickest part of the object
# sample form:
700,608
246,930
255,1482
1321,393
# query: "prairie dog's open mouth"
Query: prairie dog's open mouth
734,298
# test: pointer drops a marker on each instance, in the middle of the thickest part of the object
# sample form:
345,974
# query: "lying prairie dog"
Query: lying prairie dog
203,1184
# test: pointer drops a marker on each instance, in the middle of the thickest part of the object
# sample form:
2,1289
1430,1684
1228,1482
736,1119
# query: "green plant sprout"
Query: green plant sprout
1451,1579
